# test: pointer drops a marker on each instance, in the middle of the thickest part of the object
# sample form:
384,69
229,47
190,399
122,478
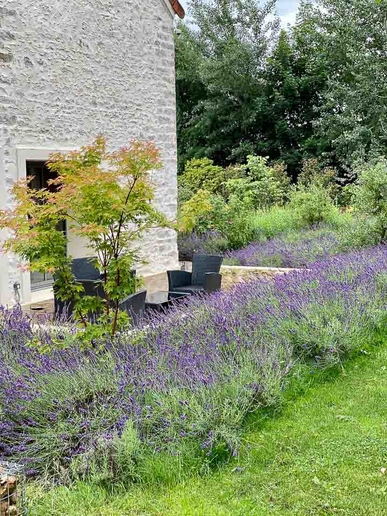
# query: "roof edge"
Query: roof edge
177,7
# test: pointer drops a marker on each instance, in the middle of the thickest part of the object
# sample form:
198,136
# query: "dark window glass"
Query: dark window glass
40,174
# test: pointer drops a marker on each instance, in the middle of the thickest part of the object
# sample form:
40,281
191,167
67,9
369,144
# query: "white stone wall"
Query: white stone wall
70,69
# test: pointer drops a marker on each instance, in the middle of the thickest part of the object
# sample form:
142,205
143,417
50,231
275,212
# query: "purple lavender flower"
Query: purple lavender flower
192,374
194,243
282,252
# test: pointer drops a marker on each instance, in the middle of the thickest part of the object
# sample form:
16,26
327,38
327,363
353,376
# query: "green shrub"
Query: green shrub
345,195
313,174
217,217
358,233
269,223
340,219
202,174
235,224
194,211
205,212
185,193
239,232
262,187
370,195
312,205
210,203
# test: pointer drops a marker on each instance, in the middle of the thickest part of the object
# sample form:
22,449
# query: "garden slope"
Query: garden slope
322,455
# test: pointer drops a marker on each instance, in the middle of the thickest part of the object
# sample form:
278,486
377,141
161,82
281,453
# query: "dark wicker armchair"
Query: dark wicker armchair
204,277
134,306
65,309
87,275
84,269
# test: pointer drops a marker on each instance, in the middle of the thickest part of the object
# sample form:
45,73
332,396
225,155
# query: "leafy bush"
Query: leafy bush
359,232
195,212
239,231
340,219
216,219
269,223
312,205
313,174
206,213
202,174
262,187
345,195
370,195
184,193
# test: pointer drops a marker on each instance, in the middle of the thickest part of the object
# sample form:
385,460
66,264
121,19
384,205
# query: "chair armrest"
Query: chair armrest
178,279
134,306
212,282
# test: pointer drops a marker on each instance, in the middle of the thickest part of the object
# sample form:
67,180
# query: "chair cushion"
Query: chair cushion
189,289
203,263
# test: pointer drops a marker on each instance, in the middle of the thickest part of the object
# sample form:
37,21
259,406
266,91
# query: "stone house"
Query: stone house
72,69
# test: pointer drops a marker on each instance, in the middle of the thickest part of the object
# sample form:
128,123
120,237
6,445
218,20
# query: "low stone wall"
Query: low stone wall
156,282
234,274
231,275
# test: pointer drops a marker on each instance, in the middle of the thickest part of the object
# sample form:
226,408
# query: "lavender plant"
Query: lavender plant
288,250
211,242
181,389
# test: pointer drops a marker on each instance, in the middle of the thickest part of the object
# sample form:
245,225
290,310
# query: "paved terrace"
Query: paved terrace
231,275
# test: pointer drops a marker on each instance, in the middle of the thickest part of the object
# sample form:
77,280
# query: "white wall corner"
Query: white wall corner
169,7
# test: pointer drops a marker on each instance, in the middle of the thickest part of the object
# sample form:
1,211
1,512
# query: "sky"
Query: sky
287,9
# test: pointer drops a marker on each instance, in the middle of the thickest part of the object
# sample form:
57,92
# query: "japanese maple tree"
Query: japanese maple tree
107,199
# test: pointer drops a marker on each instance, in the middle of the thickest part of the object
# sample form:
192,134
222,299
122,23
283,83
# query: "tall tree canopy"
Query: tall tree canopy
317,89
351,42
232,38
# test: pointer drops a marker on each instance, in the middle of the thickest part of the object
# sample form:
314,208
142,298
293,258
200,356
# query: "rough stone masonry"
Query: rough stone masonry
72,69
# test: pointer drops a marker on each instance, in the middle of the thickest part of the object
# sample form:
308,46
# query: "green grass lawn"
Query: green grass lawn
323,454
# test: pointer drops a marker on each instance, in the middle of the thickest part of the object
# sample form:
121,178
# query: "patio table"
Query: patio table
161,301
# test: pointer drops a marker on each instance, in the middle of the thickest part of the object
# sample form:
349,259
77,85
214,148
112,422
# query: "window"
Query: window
40,174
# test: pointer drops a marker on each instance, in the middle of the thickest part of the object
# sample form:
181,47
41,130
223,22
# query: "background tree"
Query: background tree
349,40
190,91
293,82
318,89
233,38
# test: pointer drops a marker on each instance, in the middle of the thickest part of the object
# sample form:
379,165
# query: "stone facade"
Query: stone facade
71,69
